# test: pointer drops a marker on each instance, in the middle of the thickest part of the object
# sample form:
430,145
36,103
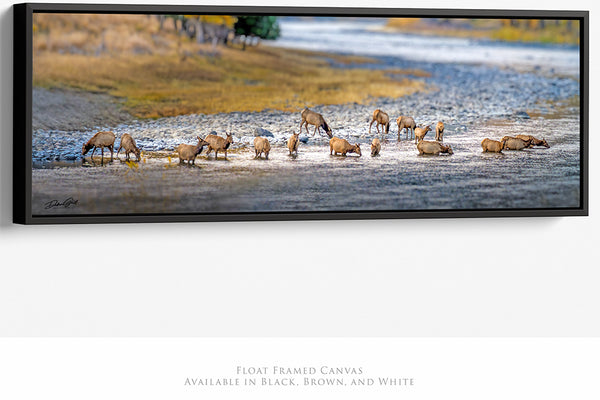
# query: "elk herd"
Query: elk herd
188,152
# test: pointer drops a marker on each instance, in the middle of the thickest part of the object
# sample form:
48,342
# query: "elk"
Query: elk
292,143
261,145
513,143
492,146
382,119
406,123
218,143
435,148
420,133
375,147
534,141
316,119
188,152
128,144
101,140
337,145
439,131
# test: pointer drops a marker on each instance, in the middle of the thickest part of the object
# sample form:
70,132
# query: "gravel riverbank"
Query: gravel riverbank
462,96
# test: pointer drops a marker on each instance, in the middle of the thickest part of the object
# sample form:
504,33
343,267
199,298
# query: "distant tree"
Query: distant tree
263,27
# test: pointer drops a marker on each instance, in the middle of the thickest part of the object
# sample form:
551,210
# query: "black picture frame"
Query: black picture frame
22,125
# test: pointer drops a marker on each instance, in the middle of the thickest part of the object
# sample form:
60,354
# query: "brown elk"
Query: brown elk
316,119
128,144
292,143
513,143
337,145
101,140
382,119
534,141
420,133
188,152
492,146
435,148
407,123
262,145
218,143
375,147
439,131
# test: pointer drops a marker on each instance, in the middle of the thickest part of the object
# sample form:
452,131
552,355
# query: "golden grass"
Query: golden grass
490,29
159,73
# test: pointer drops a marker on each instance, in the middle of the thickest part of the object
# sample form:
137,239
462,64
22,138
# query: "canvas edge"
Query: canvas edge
22,97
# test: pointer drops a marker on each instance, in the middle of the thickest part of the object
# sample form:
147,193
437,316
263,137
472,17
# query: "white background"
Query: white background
482,277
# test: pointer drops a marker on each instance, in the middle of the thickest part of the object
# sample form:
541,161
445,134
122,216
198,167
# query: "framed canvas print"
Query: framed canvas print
132,113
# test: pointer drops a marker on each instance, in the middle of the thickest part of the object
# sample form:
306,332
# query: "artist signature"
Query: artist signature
66,203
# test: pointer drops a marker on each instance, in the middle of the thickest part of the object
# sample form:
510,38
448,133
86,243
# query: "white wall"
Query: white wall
360,278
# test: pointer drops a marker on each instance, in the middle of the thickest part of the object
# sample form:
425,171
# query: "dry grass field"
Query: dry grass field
531,31
162,73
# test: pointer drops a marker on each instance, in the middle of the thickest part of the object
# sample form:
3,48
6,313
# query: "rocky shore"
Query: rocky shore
461,95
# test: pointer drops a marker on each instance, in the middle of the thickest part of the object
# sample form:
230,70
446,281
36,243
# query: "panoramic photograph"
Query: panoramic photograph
200,114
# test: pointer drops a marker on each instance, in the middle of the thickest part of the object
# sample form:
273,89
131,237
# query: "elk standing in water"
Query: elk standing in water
261,145
420,133
128,144
439,131
218,143
407,123
292,143
188,152
382,119
101,140
316,119
375,147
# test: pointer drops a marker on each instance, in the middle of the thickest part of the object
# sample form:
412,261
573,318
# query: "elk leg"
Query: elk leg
111,151
315,132
102,149
370,125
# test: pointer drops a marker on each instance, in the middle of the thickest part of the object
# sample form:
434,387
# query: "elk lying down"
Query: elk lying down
261,145
128,144
337,145
218,143
292,143
316,119
407,123
513,143
100,140
427,147
375,147
420,133
188,152
439,131
492,146
382,119
534,141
